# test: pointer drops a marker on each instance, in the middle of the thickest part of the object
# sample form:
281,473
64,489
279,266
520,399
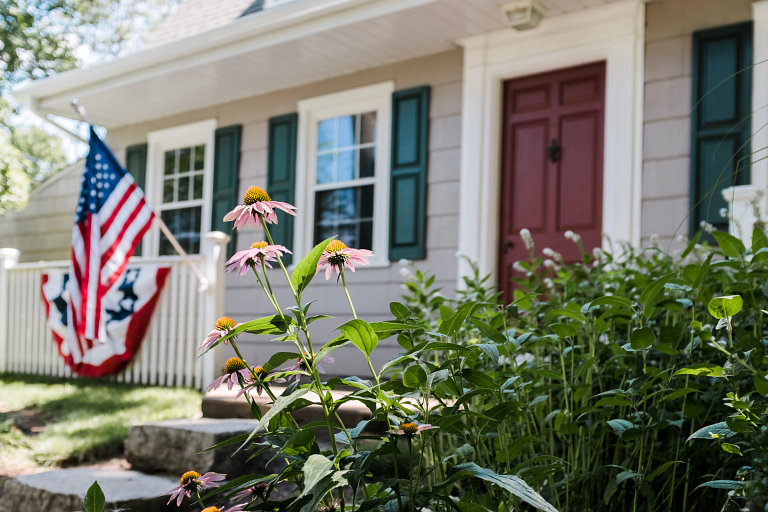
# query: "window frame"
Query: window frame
178,137
378,98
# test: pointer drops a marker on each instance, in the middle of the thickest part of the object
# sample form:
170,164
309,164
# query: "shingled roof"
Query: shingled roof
193,16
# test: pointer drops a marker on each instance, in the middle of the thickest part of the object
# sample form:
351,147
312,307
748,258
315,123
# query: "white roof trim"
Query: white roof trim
259,30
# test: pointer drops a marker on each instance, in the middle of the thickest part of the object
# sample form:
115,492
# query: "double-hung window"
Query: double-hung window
343,169
181,163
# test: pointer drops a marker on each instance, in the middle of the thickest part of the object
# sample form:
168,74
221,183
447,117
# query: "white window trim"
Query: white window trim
160,141
376,97
613,33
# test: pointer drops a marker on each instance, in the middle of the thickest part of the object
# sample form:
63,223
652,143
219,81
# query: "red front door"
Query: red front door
552,164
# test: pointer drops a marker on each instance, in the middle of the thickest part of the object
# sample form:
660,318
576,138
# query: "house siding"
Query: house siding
372,289
669,32
43,230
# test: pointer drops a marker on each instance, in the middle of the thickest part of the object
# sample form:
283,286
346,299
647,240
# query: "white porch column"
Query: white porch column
741,210
214,248
8,259
759,143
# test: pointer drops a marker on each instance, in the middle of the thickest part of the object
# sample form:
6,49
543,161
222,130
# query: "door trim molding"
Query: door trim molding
614,33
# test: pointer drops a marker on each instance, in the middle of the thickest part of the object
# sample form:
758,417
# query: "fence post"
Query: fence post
8,258
214,248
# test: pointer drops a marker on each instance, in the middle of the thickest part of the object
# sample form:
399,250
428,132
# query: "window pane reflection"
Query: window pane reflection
346,212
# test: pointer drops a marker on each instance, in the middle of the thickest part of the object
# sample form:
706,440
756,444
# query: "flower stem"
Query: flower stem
199,500
349,299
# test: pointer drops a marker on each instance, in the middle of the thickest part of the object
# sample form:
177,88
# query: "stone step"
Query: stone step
174,446
63,490
221,403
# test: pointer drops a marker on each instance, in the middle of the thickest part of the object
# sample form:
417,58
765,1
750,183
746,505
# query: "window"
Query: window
343,169
182,205
720,127
181,168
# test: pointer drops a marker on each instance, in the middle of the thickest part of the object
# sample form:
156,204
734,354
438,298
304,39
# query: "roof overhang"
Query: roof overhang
298,43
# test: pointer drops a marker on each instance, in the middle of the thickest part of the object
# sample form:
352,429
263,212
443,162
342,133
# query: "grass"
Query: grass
60,422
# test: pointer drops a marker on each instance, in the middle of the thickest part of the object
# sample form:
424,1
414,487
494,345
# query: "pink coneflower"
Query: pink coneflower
337,255
257,202
222,328
191,482
260,253
258,383
259,490
300,366
409,430
234,367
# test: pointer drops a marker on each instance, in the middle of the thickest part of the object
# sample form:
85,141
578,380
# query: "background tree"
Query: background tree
39,38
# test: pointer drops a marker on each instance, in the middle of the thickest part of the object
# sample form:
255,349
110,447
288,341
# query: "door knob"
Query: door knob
553,151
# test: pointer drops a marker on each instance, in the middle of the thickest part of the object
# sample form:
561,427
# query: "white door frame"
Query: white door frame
614,33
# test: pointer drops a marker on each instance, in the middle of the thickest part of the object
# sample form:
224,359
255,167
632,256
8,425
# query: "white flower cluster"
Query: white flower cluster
706,226
527,239
570,235
518,266
552,254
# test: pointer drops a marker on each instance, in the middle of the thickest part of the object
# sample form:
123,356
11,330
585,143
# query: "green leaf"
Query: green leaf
723,307
612,400
315,469
759,239
280,404
678,393
620,426
564,330
643,338
278,359
452,325
730,245
267,325
361,334
761,385
305,270
613,301
399,311
661,469
510,483
702,370
489,332
94,499
653,293
723,484
415,376
716,431
731,448
691,244
437,377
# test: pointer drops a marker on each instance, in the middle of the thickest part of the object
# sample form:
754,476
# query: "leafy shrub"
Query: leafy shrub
598,386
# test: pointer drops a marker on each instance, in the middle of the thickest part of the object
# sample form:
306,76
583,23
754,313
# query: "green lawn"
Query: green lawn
57,421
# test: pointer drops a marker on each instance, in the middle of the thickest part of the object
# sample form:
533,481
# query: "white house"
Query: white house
419,128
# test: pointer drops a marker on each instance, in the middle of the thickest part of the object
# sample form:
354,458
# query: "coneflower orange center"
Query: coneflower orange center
255,195
260,372
409,429
224,324
335,246
211,509
189,476
234,364
259,245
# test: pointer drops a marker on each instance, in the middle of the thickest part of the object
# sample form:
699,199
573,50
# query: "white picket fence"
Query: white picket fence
168,354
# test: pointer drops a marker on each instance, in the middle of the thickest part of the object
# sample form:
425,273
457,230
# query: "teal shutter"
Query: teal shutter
720,127
408,177
281,175
226,170
136,165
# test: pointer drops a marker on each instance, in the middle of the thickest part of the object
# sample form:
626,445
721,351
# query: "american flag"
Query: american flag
112,217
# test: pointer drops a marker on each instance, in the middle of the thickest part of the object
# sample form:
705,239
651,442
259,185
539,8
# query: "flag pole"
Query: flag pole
204,282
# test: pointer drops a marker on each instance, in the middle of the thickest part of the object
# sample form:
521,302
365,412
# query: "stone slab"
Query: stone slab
221,403
174,446
63,490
